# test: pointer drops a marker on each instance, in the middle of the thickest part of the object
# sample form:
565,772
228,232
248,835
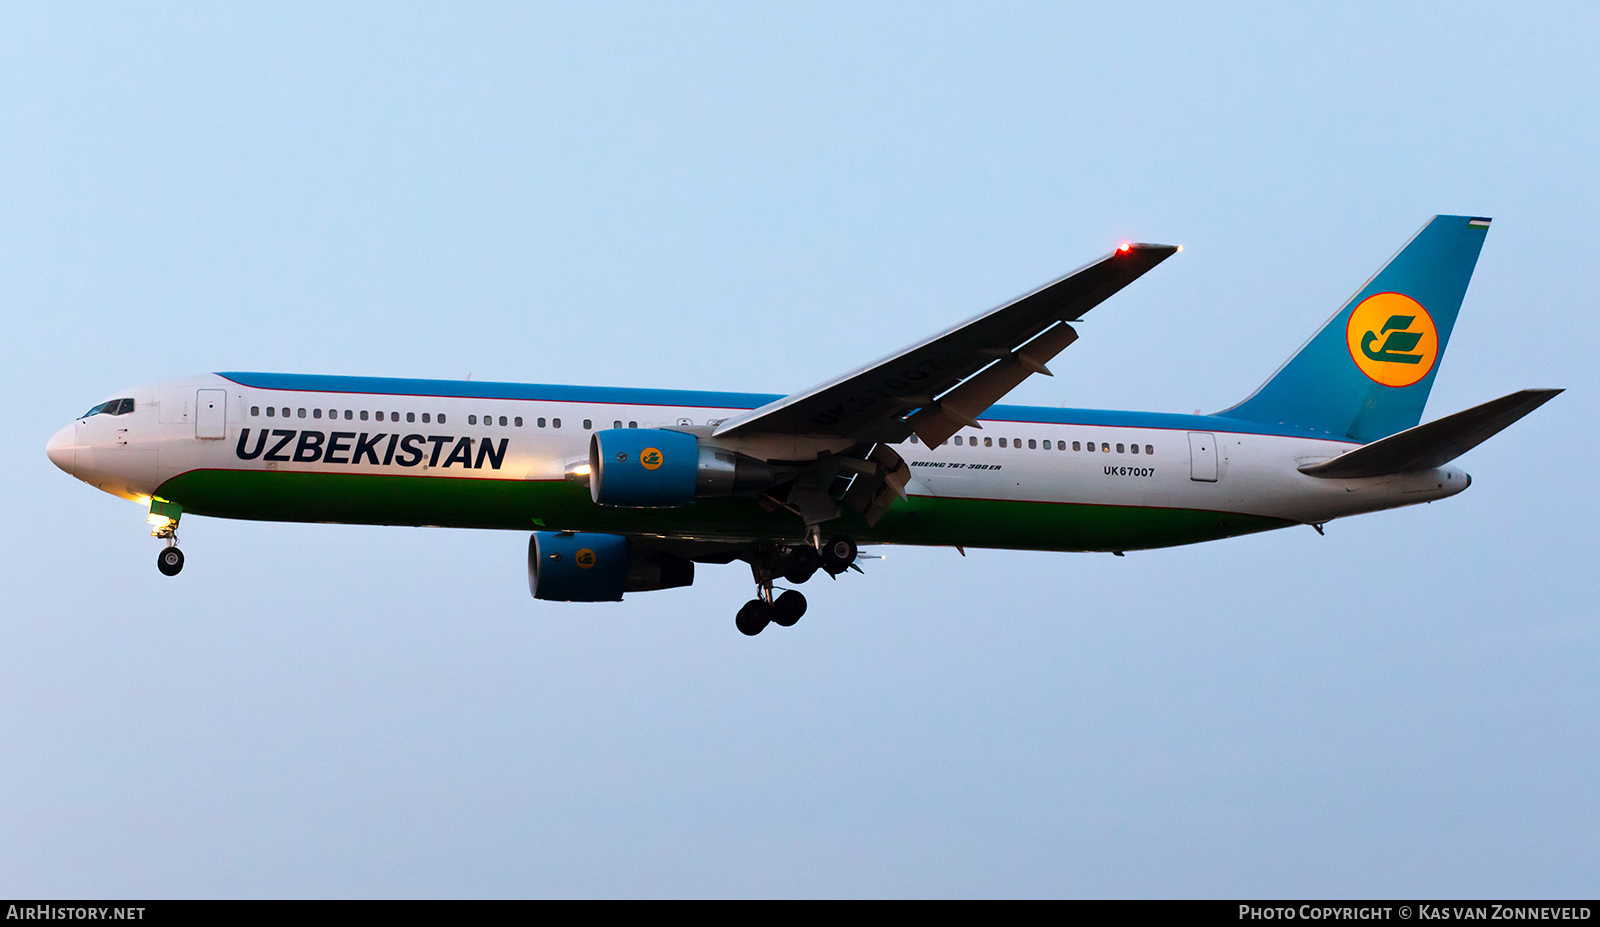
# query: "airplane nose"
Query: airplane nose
63,449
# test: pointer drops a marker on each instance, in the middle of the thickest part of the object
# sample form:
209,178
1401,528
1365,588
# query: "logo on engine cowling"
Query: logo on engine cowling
584,558
651,458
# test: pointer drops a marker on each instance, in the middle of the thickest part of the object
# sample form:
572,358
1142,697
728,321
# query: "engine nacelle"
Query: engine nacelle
656,468
568,567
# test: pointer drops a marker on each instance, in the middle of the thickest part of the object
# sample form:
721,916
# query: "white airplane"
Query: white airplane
625,490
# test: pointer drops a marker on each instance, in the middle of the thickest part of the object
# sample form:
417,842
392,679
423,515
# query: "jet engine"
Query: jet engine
568,567
657,468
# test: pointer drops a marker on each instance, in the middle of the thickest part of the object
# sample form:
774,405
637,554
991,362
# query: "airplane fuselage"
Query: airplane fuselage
626,490
490,455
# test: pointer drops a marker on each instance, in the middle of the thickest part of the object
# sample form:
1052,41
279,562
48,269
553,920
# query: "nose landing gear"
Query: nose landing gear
164,516
170,561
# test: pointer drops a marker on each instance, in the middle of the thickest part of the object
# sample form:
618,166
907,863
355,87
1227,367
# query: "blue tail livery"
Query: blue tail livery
1366,373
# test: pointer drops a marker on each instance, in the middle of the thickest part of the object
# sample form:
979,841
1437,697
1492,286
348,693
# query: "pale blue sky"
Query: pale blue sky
754,197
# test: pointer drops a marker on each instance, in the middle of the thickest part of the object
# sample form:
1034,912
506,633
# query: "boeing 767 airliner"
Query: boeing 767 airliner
625,490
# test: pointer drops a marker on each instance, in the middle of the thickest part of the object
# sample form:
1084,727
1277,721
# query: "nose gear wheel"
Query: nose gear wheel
169,561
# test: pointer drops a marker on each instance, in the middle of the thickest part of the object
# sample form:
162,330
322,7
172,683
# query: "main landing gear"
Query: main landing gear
795,565
782,611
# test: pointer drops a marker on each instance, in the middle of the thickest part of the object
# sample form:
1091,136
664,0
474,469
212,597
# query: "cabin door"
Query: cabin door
1202,457
211,414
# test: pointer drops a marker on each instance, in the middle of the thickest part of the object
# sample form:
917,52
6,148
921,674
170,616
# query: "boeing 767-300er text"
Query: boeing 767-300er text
625,490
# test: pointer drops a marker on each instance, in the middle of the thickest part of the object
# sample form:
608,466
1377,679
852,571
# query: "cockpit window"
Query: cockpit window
111,407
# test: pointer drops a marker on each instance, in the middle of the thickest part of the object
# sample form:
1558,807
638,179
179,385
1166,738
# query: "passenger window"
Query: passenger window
503,421
1002,442
285,411
472,420
316,413
1105,448
1076,447
541,423
1119,449
1134,448
364,415
989,442
518,420
1149,450
1032,446
1061,445
555,423
914,440
348,415
411,416
302,413
616,424
255,411
633,424
587,425
958,440
425,418
270,411
441,418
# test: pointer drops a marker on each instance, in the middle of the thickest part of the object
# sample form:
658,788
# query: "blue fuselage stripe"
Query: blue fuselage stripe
540,392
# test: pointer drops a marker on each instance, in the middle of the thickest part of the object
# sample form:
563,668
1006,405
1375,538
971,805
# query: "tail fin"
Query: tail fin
1366,374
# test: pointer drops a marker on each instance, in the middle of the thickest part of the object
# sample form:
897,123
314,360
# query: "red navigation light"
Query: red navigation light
1124,247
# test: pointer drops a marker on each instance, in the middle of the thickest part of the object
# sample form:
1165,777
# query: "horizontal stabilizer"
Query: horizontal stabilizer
1434,444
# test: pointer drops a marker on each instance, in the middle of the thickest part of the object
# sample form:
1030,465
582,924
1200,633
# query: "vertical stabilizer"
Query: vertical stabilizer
1367,372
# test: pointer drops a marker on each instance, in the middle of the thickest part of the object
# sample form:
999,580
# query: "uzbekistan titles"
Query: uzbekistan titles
378,449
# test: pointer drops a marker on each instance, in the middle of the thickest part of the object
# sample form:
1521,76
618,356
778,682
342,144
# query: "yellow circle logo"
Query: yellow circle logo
1392,339
651,458
584,557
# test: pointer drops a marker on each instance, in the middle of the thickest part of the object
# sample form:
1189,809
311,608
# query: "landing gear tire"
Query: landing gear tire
753,617
169,561
788,608
838,554
800,564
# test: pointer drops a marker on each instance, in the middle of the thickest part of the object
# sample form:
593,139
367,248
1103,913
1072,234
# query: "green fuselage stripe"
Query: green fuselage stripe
559,505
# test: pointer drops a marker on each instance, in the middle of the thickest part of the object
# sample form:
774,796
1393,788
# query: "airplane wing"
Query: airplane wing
944,382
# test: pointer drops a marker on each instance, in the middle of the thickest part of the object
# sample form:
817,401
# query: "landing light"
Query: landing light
581,470
159,521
